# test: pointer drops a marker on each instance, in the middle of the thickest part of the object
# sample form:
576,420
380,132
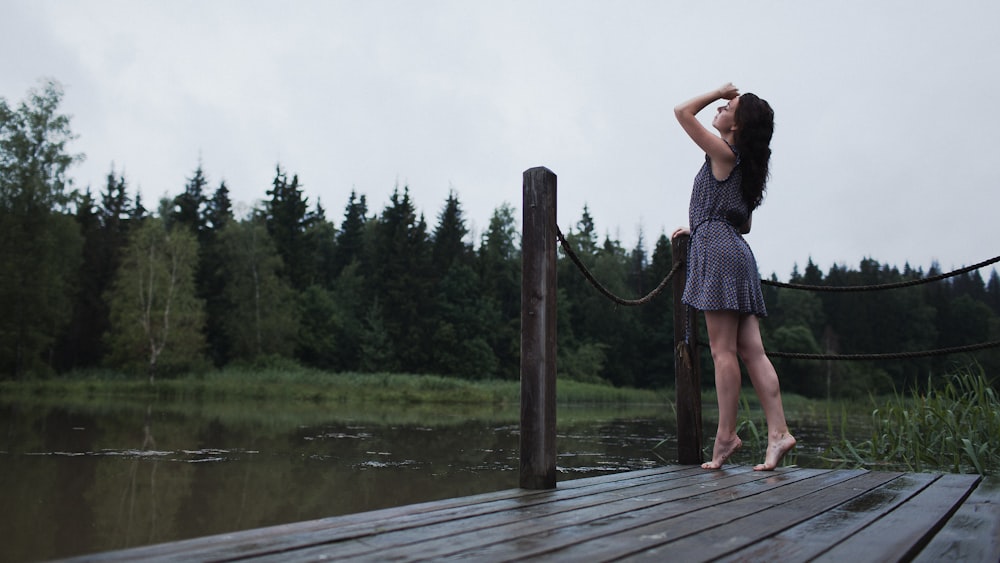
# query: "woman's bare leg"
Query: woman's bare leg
765,382
723,330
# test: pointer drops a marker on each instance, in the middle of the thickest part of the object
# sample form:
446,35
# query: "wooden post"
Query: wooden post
687,370
538,330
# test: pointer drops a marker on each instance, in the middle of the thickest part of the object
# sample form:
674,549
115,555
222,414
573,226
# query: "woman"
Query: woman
723,280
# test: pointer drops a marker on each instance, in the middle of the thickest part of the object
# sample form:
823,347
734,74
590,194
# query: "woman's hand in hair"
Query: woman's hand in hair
727,91
680,231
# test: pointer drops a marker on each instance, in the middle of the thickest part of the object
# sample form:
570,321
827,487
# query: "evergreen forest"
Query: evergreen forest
99,279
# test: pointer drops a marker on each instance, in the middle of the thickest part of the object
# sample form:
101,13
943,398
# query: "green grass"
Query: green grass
294,383
286,396
955,426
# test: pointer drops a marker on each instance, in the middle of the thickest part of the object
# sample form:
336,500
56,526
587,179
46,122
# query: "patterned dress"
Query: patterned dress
721,269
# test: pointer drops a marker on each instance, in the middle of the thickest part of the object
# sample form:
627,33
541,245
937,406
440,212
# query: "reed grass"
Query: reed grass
953,426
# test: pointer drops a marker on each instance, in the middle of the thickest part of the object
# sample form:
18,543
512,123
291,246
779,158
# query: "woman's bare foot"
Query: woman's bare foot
776,449
721,452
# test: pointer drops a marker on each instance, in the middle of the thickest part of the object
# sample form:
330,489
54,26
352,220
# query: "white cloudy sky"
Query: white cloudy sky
885,109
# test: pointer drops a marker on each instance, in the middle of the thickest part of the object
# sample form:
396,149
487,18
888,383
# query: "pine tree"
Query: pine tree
462,327
398,269
80,344
349,314
993,292
449,237
463,316
582,354
218,210
350,238
499,263
320,328
637,265
321,242
139,212
812,275
189,207
287,222
612,326
104,227
217,217
656,340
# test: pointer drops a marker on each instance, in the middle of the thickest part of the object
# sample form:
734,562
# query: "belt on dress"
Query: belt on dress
716,220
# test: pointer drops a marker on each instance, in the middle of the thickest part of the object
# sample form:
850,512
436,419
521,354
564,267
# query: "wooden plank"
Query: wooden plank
743,532
973,533
900,534
443,537
653,535
447,537
676,513
289,536
227,543
815,535
579,539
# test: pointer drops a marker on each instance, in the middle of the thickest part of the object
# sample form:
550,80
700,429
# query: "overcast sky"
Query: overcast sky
885,110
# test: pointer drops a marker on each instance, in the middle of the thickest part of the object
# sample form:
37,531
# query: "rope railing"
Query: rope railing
888,356
605,291
894,285
568,250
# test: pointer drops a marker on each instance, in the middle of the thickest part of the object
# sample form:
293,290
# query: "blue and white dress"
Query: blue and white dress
721,269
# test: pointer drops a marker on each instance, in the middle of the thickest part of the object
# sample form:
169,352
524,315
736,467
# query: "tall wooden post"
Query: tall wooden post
687,368
538,330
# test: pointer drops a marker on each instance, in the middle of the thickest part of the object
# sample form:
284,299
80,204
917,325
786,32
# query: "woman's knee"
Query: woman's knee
724,359
751,352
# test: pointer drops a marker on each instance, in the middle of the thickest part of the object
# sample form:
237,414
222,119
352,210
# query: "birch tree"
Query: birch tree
156,318
261,317
40,243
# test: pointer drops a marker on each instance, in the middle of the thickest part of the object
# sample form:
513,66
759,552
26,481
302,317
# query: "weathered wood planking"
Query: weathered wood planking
973,532
678,513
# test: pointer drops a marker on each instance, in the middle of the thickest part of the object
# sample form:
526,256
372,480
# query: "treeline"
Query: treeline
95,279
959,311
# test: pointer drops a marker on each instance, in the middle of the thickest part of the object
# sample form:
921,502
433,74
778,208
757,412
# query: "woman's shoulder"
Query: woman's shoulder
723,171
736,151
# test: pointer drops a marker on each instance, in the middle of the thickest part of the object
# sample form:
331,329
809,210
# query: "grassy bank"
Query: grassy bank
292,383
954,426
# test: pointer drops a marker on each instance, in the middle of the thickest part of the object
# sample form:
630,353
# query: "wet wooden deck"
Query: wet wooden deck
676,513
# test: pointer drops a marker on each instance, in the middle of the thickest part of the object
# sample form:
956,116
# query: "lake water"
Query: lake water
94,476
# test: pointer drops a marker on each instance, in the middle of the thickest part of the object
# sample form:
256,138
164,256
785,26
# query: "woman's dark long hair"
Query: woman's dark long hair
754,128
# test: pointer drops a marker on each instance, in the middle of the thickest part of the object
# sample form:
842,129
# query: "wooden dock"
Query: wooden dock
675,513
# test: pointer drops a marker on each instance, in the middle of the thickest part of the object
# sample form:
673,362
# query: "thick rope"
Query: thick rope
605,291
891,356
896,285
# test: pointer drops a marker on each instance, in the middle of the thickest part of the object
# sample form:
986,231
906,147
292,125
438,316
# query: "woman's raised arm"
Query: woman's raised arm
686,114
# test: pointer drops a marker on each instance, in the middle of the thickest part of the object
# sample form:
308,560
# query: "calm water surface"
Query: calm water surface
90,477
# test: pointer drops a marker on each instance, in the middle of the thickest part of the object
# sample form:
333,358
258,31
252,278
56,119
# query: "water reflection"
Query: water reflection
91,477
